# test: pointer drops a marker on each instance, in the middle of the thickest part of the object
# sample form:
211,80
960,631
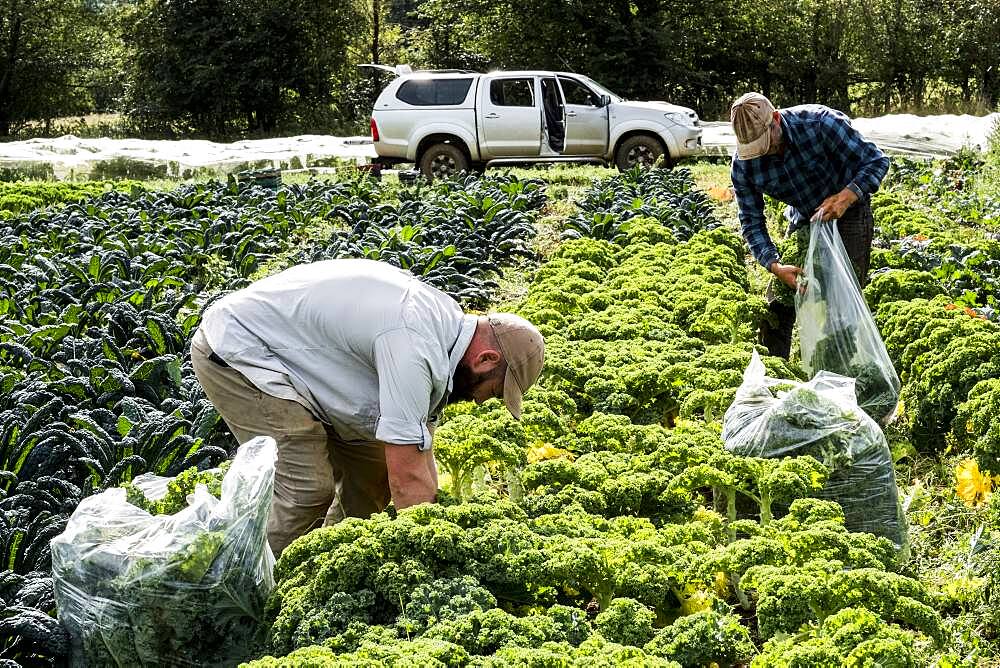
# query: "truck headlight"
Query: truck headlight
687,119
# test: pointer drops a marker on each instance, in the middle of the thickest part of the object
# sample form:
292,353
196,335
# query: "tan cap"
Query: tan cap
523,349
752,116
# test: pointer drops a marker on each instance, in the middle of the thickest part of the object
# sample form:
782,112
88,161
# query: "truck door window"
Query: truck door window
577,93
512,93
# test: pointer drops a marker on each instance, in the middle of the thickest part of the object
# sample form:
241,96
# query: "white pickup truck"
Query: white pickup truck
447,122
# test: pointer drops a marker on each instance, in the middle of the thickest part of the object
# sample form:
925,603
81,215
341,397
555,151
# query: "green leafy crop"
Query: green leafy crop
177,490
852,637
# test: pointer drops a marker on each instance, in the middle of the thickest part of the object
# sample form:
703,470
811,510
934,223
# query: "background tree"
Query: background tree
971,34
232,67
47,49
219,66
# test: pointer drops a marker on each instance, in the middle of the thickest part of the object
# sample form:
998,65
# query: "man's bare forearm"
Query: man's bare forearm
411,493
412,475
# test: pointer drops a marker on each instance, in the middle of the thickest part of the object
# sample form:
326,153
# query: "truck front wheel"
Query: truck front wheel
443,160
641,150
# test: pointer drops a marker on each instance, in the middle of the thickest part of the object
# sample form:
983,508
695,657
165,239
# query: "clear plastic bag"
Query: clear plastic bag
781,418
836,330
187,589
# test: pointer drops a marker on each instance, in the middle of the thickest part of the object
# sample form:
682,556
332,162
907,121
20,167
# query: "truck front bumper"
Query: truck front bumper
688,140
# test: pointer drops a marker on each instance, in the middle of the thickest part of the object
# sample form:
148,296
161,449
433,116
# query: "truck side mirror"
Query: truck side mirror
605,100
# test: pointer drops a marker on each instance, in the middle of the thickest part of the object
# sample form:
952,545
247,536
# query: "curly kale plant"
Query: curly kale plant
704,638
486,436
790,596
627,622
852,637
446,599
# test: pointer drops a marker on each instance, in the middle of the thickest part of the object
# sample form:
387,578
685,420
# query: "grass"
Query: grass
86,126
563,173
316,231
711,175
513,287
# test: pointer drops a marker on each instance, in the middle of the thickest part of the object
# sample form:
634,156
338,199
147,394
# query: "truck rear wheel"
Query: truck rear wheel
641,150
441,161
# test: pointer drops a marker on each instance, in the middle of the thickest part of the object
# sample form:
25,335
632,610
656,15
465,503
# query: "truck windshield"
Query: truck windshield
601,90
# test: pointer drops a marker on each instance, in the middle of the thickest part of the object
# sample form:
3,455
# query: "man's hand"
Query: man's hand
412,475
787,273
834,206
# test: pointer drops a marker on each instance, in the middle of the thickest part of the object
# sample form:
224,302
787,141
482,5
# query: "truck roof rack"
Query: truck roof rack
400,70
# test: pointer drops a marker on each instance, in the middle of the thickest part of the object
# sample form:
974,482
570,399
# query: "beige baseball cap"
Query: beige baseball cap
523,349
752,116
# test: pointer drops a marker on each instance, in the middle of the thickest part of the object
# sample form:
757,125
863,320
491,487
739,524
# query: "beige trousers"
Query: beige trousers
320,479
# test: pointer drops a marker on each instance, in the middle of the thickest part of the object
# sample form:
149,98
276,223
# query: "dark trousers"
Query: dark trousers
856,229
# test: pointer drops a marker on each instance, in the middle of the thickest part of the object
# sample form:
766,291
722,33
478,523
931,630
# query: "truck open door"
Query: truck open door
553,117
587,123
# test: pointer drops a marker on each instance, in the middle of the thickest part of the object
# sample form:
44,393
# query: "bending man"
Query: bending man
812,159
346,364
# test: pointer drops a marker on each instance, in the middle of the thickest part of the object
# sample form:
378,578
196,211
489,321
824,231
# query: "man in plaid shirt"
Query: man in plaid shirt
812,159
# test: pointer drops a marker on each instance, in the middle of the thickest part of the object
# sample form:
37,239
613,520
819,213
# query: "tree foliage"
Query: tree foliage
209,65
46,47
224,67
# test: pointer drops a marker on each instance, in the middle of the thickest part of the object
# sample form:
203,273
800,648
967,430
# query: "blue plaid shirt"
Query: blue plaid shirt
823,155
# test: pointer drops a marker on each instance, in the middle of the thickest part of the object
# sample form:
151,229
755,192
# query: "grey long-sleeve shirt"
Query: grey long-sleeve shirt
365,346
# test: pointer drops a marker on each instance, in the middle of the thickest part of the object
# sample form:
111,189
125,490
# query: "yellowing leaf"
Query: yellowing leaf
547,451
697,602
971,485
721,585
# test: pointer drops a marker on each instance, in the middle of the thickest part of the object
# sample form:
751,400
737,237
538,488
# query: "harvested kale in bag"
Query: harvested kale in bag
782,418
836,330
183,589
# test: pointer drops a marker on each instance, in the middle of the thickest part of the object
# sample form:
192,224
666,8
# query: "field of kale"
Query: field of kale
610,526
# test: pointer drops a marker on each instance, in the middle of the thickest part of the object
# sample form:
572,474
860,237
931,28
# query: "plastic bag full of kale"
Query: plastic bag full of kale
182,589
836,330
782,418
